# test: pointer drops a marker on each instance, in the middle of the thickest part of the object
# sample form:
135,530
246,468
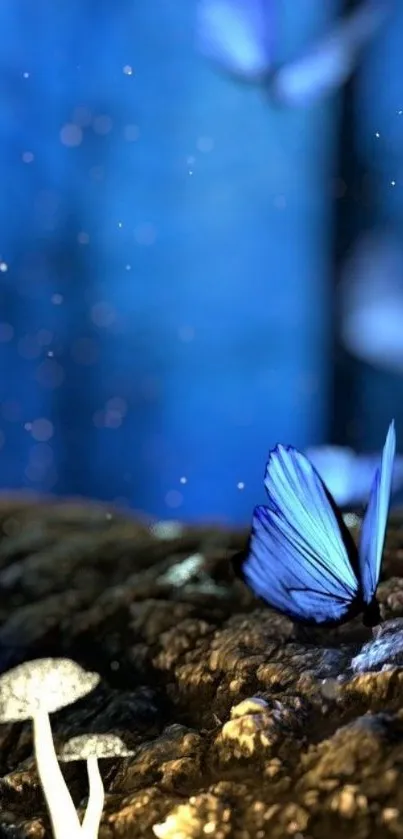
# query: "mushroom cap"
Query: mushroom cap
42,685
93,745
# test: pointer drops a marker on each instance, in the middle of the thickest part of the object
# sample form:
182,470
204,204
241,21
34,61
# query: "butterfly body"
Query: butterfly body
301,558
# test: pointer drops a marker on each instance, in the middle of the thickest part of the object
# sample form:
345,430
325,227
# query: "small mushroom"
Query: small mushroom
93,747
33,691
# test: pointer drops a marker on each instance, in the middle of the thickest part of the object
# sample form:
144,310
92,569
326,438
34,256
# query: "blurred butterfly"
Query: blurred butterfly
240,36
301,558
349,475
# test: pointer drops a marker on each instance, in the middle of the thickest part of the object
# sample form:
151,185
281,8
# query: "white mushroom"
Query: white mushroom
93,747
33,691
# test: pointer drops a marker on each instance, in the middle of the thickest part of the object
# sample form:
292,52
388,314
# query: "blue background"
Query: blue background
166,238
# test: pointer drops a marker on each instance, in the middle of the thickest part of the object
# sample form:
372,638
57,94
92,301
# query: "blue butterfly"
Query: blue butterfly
301,558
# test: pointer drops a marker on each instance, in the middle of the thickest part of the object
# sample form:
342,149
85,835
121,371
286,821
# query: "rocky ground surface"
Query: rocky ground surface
241,726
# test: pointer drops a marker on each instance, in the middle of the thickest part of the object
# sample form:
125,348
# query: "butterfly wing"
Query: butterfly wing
328,64
374,524
300,551
236,35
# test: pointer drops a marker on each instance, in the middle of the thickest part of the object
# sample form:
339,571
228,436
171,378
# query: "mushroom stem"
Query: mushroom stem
62,812
93,813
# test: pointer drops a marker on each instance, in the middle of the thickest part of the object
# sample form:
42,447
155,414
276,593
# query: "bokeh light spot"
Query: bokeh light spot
102,124
173,499
71,135
42,430
103,314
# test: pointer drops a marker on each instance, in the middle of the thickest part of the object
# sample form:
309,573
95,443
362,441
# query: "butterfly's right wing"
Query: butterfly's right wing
298,558
374,524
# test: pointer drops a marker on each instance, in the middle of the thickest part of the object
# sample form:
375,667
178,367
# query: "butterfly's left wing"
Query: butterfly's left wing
236,35
299,553
374,524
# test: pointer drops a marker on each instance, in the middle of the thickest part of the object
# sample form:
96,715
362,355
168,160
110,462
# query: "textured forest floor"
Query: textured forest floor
179,645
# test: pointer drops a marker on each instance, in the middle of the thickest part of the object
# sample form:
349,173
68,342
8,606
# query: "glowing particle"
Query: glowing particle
26,75
128,267
27,157
183,480
3,267
393,183
240,485
57,299
377,134
128,70
120,224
